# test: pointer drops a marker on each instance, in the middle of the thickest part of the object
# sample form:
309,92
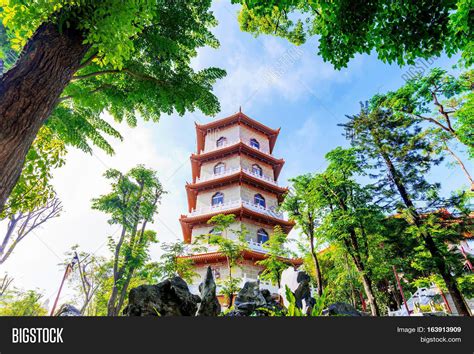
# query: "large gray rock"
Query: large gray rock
341,309
303,298
271,300
67,310
249,298
251,301
209,305
171,297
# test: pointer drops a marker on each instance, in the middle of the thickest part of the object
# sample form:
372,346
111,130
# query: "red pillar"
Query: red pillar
401,290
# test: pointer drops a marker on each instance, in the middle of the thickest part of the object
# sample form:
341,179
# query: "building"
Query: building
235,172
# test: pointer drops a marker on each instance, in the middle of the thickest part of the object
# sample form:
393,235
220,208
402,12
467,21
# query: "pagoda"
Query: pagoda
235,172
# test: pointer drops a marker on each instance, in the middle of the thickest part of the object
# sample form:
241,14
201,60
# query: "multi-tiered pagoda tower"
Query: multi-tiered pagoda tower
234,172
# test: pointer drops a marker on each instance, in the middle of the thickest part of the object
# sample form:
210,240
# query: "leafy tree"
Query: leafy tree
398,31
348,215
171,262
33,189
301,207
340,276
89,275
22,303
277,253
231,248
400,158
132,204
442,100
80,58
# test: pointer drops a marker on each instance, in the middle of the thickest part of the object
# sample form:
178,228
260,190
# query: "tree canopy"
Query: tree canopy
399,31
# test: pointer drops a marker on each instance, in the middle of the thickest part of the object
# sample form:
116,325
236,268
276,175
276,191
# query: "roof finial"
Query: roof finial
240,109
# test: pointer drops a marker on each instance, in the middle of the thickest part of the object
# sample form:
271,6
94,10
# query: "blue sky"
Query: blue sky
273,81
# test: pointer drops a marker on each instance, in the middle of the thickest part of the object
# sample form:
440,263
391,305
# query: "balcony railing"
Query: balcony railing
262,176
227,172
231,171
233,142
236,204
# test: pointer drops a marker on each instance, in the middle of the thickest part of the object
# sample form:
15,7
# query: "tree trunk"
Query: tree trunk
440,262
319,279
123,293
369,291
450,281
29,92
366,282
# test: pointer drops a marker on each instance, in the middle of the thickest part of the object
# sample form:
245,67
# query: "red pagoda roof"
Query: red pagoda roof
239,176
242,212
251,255
237,118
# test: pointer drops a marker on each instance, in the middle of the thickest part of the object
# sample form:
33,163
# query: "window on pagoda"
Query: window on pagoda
254,143
219,168
221,141
262,236
217,198
258,199
256,169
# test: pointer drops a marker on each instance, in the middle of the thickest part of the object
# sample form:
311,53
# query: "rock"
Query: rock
272,303
209,305
299,284
67,310
302,293
171,297
249,298
341,309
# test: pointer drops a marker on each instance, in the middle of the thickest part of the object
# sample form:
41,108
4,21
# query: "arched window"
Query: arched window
256,169
254,143
221,141
258,199
262,236
219,168
217,199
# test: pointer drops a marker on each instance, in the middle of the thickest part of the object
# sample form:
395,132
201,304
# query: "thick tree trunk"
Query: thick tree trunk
29,92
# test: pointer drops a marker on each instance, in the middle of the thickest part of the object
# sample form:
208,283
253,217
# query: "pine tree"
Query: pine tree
400,158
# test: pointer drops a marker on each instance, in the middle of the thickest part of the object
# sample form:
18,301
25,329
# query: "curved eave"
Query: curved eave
192,189
214,257
237,148
188,222
237,118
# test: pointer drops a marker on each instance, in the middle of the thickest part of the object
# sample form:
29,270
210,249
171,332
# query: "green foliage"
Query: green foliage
231,248
22,303
229,287
89,276
274,264
294,311
442,100
139,61
399,32
34,188
132,204
172,264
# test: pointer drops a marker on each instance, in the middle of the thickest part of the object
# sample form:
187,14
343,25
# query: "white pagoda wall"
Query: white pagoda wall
231,162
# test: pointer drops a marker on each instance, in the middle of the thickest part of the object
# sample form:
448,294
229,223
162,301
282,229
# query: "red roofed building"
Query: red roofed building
235,172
